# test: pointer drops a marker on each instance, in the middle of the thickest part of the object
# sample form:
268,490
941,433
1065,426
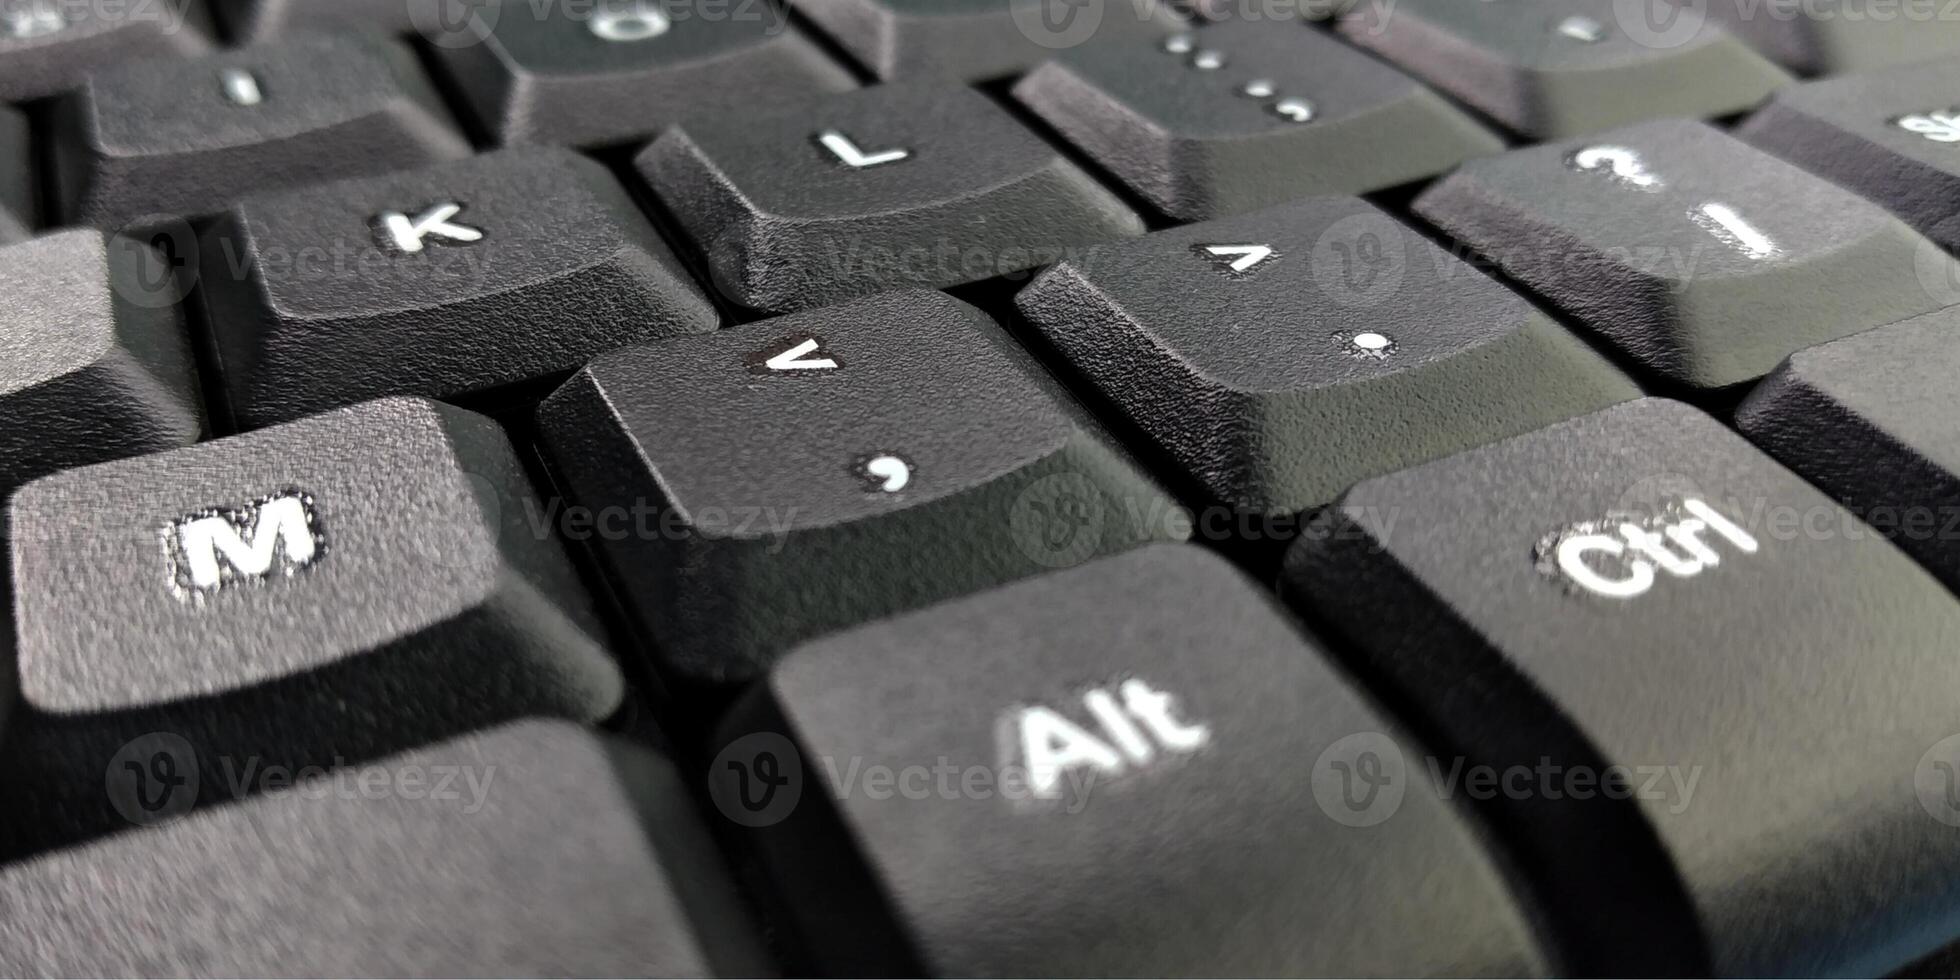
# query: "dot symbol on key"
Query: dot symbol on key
1371,344
884,472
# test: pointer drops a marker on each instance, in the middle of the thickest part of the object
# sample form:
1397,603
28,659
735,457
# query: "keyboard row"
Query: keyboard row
1621,674
1194,123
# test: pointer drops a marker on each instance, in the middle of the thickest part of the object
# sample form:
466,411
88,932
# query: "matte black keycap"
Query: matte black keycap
1870,419
50,46
343,586
256,21
976,40
1641,588
442,282
160,138
1248,114
625,71
16,177
761,485
536,848
1283,355
1556,68
1892,136
1109,800
1831,36
1703,259
95,358
805,203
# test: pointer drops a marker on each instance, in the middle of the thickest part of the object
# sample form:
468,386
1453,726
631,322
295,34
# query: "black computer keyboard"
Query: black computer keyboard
980,487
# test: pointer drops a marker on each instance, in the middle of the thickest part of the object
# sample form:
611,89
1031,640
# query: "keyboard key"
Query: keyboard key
1248,114
624,72
1640,588
438,862
188,137
1887,135
1831,36
1703,259
1556,68
531,260
1283,355
1112,799
1869,420
801,204
257,21
98,360
50,46
16,177
759,486
344,586
977,40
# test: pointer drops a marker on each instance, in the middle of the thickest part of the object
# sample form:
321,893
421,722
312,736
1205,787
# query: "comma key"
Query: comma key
814,471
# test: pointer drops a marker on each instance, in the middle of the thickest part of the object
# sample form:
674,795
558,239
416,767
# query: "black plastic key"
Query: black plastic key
976,40
344,586
16,177
257,21
95,359
535,848
762,485
1832,36
1641,592
50,46
1893,136
1129,768
1556,68
441,282
1870,420
1283,355
805,203
1702,258
161,138
624,71
1248,114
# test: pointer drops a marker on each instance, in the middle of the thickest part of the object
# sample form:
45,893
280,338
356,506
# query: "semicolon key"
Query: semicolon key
1248,114
798,475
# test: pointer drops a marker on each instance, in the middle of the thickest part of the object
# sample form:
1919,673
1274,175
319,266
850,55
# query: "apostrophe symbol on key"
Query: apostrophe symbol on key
1617,162
883,472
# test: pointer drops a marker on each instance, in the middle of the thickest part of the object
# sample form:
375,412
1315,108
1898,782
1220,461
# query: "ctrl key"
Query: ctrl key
535,849
1056,779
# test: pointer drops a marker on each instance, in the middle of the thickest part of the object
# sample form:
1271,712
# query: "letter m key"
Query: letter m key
224,547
